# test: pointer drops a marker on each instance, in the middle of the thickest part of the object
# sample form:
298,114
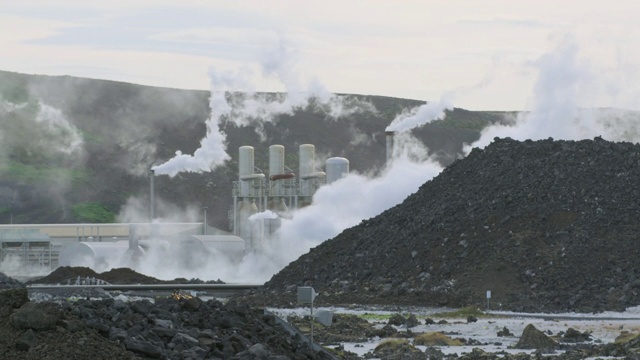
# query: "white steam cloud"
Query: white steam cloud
64,136
49,130
335,207
420,115
244,107
563,84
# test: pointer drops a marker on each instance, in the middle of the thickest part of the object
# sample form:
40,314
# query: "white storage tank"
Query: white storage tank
337,168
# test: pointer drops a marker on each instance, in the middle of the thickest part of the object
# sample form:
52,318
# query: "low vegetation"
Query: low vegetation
391,343
93,213
30,173
436,339
462,313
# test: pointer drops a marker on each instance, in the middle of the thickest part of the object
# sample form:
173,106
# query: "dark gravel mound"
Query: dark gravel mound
545,225
127,276
7,282
63,274
118,276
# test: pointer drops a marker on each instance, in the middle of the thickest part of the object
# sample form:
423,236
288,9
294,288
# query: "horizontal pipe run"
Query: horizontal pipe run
150,287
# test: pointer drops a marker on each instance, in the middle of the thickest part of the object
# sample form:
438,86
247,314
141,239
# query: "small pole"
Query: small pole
488,299
311,324
205,221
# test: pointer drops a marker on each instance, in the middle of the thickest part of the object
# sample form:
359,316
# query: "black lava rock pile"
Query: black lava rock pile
544,225
7,282
170,328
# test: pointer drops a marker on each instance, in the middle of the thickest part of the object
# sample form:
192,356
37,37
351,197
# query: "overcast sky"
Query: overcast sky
480,54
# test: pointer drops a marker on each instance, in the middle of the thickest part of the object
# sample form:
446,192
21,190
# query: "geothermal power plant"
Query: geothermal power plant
275,195
260,202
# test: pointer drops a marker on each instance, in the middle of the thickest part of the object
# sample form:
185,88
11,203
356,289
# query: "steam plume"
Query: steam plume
564,80
420,115
247,107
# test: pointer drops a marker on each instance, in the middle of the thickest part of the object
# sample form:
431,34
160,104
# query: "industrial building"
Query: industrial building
276,195
260,202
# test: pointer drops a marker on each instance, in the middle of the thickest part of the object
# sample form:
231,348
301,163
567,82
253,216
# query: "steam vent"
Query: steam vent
545,225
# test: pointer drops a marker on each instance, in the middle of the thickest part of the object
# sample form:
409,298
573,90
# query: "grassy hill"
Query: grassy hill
76,150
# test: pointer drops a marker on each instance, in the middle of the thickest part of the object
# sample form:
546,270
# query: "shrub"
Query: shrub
391,343
436,339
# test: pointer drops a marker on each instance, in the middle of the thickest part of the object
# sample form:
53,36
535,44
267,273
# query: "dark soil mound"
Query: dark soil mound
545,225
65,274
127,276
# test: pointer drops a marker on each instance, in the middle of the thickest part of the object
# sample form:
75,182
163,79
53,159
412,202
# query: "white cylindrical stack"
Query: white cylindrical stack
307,160
276,159
246,162
276,167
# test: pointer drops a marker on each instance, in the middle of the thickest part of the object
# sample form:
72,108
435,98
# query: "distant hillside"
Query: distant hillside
47,176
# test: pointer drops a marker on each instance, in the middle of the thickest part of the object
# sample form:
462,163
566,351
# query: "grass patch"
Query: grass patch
93,213
462,313
391,343
377,317
436,339
625,336
33,173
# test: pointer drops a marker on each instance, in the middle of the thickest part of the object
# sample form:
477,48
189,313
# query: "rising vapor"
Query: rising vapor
420,115
234,99
564,80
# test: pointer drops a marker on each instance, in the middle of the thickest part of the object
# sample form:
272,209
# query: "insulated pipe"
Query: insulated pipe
151,287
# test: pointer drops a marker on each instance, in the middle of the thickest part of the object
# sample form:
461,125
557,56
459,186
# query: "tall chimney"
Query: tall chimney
152,196
389,136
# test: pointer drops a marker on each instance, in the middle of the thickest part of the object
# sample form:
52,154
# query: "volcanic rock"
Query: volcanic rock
547,226
533,338
7,282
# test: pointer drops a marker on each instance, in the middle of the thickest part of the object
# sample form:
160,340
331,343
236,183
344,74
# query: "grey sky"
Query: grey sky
481,54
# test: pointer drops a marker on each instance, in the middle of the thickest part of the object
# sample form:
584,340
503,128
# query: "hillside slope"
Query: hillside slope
124,129
545,225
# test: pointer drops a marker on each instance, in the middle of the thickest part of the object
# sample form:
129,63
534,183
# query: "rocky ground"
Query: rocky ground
173,327
546,226
183,327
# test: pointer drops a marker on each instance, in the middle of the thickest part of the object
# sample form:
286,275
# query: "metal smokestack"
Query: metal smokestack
389,136
152,196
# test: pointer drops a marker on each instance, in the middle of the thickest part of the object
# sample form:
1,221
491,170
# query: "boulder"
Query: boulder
36,316
14,297
533,338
